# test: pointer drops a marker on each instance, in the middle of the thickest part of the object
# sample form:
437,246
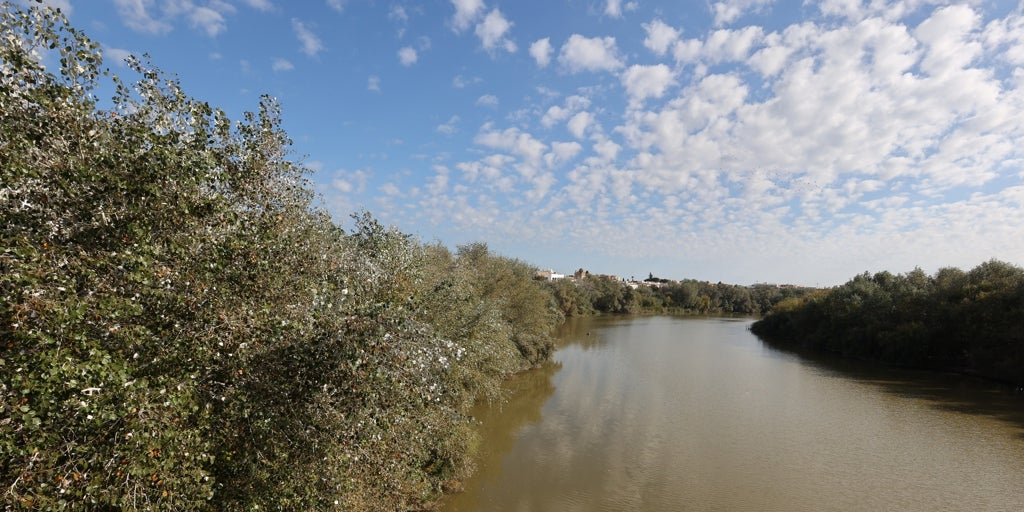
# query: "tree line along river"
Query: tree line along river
659,414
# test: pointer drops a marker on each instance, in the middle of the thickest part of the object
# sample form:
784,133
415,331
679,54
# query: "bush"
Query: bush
955,320
180,329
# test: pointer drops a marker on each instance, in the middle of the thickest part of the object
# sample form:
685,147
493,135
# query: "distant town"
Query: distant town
651,281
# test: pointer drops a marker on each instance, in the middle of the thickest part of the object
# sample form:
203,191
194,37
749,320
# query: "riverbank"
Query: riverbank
583,296
184,329
968,322
648,412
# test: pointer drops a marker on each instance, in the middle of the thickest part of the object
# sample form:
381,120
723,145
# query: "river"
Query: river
665,414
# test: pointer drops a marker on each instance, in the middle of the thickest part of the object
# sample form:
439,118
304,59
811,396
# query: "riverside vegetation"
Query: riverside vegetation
181,329
604,295
971,322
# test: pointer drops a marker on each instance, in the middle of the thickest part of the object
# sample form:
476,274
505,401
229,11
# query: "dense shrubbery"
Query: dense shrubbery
180,329
967,321
599,294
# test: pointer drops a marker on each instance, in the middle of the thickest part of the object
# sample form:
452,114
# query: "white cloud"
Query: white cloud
439,183
771,59
556,114
529,159
466,12
461,82
947,34
116,56
398,13
1006,37
491,169
848,101
493,32
449,127
797,153
729,11
373,83
607,150
337,5
311,44
614,8
347,182
579,124
136,15
342,185
407,55
855,10
260,5
732,45
581,53
577,102
562,152
723,45
643,82
282,65
541,184
846,8
541,50
512,139
487,100
142,16
547,92
207,20
660,36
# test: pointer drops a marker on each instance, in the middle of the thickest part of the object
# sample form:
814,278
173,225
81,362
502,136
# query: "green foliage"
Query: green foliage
599,294
522,303
967,321
180,329
609,295
569,298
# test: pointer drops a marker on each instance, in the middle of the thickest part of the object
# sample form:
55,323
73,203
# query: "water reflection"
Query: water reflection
946,391
584,332
655,414
499,425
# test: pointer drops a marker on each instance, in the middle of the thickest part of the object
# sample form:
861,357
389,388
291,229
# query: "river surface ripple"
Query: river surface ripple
663,414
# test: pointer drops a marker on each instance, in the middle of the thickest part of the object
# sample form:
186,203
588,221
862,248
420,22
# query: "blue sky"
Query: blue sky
740,140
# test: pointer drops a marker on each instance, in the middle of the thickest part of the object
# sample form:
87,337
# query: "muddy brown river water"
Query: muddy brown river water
664,414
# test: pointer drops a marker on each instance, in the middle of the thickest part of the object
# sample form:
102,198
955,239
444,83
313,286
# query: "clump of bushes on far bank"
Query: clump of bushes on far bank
180,329
964,321
589,295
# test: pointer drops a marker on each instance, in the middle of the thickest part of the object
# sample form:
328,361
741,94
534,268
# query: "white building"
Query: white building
549,275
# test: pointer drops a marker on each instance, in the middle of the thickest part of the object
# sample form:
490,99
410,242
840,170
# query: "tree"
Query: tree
569,298
966,321
181,329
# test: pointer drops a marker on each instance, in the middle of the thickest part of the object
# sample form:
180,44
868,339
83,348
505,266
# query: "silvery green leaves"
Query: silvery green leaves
181,329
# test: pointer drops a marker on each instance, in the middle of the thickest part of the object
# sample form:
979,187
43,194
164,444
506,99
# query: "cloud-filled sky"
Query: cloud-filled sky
737,140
